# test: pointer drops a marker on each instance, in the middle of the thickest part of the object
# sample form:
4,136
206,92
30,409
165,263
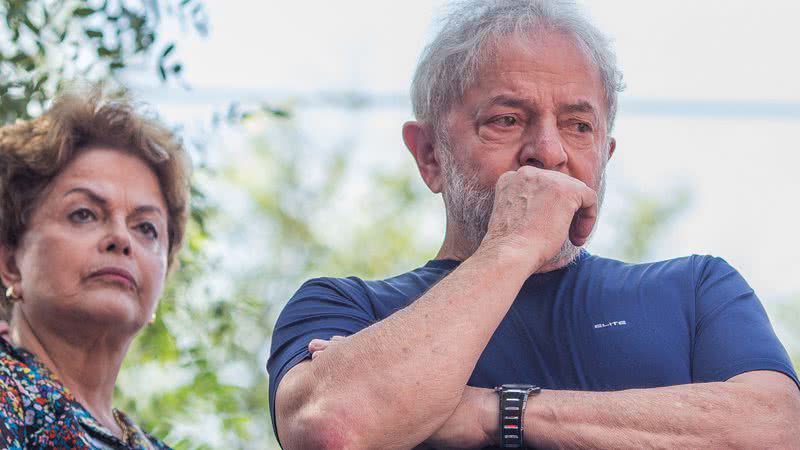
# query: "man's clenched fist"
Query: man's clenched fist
536,211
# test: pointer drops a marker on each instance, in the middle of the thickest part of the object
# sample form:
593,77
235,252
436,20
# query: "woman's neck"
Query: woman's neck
87,365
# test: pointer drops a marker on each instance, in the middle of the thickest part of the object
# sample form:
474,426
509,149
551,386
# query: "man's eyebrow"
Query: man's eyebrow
504,100
513,102
94,197
581,106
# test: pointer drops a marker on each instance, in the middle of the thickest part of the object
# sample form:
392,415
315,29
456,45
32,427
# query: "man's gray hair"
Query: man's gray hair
470,35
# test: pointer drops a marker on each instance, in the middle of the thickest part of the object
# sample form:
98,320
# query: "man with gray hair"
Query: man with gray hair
514,336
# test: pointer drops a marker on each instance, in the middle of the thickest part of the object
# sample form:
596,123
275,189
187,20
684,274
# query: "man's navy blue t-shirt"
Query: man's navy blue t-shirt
595,325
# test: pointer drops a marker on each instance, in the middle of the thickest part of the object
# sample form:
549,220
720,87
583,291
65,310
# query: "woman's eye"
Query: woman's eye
82,215
148,229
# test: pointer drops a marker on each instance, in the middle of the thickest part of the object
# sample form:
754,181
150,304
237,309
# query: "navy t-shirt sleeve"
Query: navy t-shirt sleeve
733,334
320,309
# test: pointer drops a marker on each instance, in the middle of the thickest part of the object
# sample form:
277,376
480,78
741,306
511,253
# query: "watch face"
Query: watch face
521,387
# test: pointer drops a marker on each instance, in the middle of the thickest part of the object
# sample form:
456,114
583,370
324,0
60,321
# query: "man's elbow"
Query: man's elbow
322,437
320,429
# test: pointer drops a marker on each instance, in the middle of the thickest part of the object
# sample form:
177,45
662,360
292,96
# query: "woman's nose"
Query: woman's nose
117,240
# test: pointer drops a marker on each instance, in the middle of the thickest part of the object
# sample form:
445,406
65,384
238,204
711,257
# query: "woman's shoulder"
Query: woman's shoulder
12,399
35,406
20,369
32,403
12,370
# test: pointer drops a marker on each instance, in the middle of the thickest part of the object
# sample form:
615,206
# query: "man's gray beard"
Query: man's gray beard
469,206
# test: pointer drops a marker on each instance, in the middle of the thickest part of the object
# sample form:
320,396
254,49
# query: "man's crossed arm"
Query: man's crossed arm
759,409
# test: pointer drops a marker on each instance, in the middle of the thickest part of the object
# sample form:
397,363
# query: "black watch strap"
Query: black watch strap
513,399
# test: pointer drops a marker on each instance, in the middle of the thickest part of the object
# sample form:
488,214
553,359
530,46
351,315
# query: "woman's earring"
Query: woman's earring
12,296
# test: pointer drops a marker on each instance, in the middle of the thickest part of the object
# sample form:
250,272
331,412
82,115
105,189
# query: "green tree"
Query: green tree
48,45
53,41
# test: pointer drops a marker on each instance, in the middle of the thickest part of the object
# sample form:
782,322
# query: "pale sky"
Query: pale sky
739,159
709,49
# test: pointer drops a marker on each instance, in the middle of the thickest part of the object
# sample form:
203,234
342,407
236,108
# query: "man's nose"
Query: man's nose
544,149
117,239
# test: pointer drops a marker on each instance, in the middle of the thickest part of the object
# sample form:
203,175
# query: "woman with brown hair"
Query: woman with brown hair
93,207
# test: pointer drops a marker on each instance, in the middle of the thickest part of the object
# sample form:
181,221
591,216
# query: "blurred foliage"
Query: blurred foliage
643,221
270,214
786,313
43,43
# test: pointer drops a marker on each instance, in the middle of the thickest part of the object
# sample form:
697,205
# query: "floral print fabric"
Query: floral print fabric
38,412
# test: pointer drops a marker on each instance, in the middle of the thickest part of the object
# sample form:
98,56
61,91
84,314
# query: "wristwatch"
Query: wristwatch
513,399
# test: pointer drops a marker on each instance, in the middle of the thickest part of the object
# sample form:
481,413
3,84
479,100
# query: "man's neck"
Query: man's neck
455,246
87,366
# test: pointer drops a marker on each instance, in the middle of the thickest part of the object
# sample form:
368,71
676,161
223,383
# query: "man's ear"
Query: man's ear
9,272
420,140
612,145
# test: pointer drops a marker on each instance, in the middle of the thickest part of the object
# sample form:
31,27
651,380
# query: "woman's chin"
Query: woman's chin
109,309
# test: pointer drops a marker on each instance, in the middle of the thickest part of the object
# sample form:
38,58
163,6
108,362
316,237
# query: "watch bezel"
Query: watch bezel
518,387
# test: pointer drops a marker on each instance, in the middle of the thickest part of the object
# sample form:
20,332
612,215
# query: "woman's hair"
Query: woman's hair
33,152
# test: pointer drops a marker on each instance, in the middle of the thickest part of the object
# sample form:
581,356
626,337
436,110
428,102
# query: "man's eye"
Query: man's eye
148,229
82,215
505,121
583,127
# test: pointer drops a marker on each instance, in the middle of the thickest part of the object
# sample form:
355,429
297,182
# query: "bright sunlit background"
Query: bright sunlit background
708,135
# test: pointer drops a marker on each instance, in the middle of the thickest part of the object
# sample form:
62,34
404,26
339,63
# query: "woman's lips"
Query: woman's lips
115,275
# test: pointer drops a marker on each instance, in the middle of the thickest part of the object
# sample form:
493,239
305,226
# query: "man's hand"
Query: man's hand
536,210
317,346
472,424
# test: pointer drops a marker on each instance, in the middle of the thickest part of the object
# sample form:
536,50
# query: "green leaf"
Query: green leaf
94,34
40,82
83,11
167,51
19,58
30,25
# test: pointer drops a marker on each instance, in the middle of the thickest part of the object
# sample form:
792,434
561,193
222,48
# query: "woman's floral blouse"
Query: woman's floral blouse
38,412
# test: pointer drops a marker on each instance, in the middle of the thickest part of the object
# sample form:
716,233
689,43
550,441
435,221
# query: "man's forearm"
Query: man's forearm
412,366
708,415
